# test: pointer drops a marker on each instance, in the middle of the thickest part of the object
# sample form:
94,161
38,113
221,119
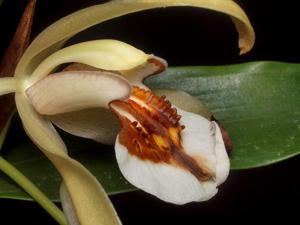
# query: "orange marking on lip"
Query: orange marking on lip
152,132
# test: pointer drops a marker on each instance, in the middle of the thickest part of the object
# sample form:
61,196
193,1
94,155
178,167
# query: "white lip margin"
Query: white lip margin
212,148
166,182
173,184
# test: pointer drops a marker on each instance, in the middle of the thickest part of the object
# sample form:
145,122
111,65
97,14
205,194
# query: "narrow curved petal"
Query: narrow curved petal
135,76
102,54
201,138
67,205
53,36
8,85
76,90
91,203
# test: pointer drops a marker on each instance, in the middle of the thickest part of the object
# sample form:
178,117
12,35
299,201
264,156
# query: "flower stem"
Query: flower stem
33,191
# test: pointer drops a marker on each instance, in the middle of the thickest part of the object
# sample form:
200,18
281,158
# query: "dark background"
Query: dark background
187,36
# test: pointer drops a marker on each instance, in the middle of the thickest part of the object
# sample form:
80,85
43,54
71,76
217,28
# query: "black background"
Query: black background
188,37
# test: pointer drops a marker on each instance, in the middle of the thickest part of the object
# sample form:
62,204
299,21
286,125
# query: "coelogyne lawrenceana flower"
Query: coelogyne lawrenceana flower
162,147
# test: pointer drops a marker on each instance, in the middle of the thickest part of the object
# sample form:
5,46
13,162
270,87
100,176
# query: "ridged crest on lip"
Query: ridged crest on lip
151,131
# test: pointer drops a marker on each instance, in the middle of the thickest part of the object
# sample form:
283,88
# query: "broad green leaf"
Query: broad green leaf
258,103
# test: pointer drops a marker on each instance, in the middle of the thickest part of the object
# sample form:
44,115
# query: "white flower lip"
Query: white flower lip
175,175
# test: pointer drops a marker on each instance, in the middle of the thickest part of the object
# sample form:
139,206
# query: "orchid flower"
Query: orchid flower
162,148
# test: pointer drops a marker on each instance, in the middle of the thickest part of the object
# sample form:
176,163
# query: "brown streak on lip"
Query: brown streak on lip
11,58
184,160
154,134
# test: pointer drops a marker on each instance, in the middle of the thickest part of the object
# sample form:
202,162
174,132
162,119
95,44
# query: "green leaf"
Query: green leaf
258,103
